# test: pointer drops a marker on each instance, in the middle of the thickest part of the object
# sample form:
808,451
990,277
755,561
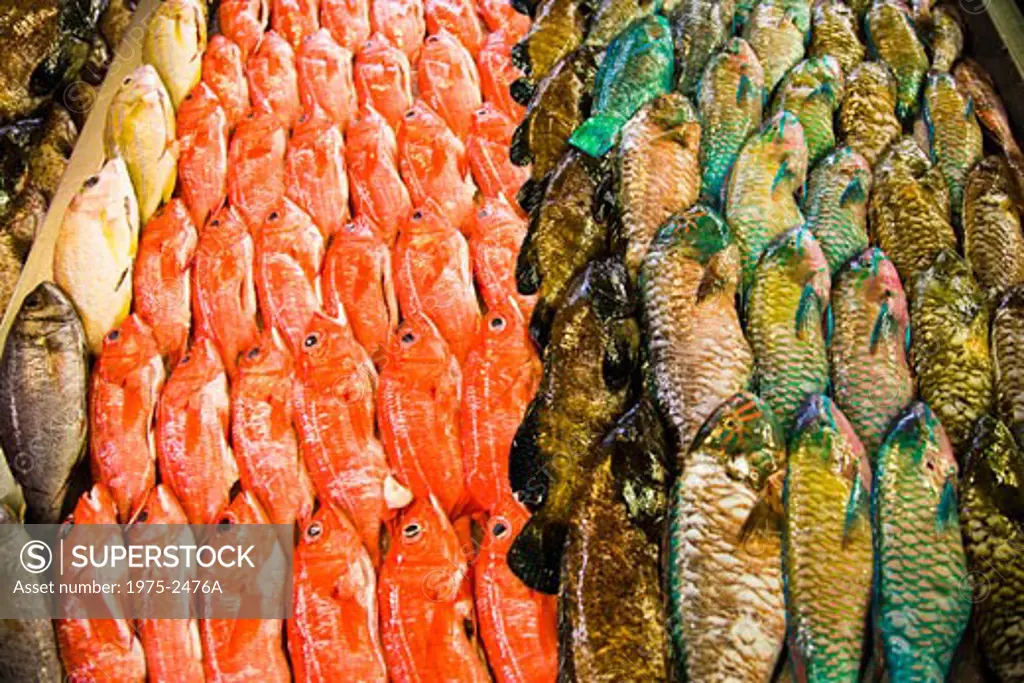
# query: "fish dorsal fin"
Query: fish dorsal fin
853,194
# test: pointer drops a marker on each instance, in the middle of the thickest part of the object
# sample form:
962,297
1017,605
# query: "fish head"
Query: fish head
607,285
161,506
919,434
127,348
45,310
243,509
905,155
332,363
200,365
367,129
671,111
495,214
850,165
491,124
198,107
820,423
95,506
420,123
800,255
874,279
745,435
266,363
503,525
783,137
426,548
700,231
417,343
360,229
995,466
329,547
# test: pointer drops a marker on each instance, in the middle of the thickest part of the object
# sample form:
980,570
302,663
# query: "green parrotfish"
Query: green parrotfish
812,91
834,32
836,205
892,39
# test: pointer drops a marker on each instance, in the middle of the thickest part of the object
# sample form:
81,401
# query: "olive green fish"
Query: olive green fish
950,346
954,135
867,116
1008,360
812,91
993,242
557,30
785,315
612,17
174,44
892,39
920,607
730,103
588,364
698,354
612,616
871,377
727,612
700,30
836,205
826,544
947,37
760,200
834,32
637,67
777,30
991,515
658,173
909,210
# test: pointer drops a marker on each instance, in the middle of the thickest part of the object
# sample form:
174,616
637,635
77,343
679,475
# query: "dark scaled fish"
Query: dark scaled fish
1008,360
892,39
871,378
950,346
812,91
637,67
834,32
954,135
826,544
44,379
588,365
696,348
867,116
612,17
778,30
920,609
993,242
730,104
991,515
785,315
947,37
727,614
836,205
557,29
612,616
699,31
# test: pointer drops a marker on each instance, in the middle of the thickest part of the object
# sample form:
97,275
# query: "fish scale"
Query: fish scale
953,134
812,91
777,30
836,205
867,117
835,33
892,39
993,242
1008,360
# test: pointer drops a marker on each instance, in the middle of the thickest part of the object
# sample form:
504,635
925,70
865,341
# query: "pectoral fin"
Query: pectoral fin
767,513
946,513
806,310
856,508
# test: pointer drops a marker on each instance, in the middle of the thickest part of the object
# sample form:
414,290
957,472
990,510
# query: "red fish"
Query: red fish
488,152
224,73
98,649
273,82
432,276
192,434
224,296
433,164
162,277
418,413
348,22
517,624
243,23
203,157
495,237
126,383
265,444
499,378
424,611
326,87
243,650
315,176
378,193
501,15
173,649
289,252
293,20
383,80
357,284
334,634
401,22
457,17
256,167
498,73
334,410
449,82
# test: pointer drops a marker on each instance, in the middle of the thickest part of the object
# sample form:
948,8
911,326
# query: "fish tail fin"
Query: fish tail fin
596,135
853,194
522,91
519,152
530,194
526,474
521,54
540,322
527,271
536,555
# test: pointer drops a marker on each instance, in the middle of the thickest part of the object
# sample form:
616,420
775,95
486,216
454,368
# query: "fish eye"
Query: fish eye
484,213
184,359
497,323
113,335
417,215
408,338
274,215
215,222
311,340
411,531
142,516
314,530
500,530
253,352
410,114
223,524
91,181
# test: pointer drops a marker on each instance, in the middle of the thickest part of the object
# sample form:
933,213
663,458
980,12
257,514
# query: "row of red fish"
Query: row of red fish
317,199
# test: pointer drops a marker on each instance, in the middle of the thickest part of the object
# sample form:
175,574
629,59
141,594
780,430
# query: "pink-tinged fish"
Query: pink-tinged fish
243,23
334,634
499,378
265,443
448,81
162,279
432,276
418,413
488,152
244,650
495,237
224,292
375,185
432,161
383,79
457,17
348,22
203,152
192,434
334,408
273,81
401,22
315,176
126,383
500,15
224,73
97,649
357,285
498,73
326,87
427,618
256,167
518,625
293,20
